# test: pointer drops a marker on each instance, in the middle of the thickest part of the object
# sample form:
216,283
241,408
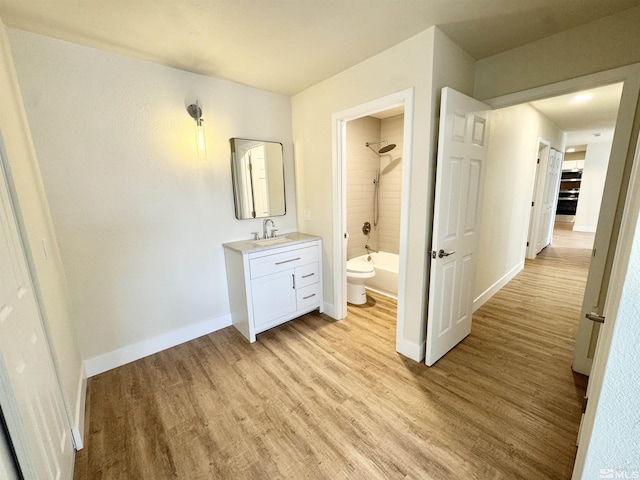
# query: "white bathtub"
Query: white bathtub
386,267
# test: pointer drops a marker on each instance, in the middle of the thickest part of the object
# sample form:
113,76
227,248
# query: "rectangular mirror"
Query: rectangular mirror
257,170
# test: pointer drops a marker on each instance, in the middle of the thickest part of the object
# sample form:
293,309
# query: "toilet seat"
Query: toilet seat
358,266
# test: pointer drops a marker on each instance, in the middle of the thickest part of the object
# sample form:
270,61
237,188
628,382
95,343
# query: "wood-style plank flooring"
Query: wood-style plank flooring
316,398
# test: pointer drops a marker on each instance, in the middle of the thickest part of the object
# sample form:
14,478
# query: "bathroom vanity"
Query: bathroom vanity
272,281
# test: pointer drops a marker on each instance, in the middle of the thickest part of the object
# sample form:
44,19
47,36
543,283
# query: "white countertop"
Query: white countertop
250,246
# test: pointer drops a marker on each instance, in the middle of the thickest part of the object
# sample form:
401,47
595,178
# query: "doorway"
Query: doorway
584,120
404,101
612,187
610,252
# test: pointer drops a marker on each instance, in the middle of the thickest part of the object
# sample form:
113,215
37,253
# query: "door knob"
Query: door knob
442,253
594,317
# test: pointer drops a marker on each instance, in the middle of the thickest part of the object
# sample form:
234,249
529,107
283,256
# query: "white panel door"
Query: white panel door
29,392
462,150
550,197
533,215
541,216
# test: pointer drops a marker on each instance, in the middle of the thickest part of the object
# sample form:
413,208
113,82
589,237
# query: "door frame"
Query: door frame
403,98
603,348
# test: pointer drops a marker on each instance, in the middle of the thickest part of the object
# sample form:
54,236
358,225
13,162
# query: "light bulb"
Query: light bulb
201,145
581,98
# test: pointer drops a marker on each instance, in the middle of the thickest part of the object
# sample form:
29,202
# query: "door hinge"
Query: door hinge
538,161
594,253
585,400
527,244
533,203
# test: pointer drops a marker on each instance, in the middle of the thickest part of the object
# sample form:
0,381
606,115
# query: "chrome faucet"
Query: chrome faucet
369,249
264,227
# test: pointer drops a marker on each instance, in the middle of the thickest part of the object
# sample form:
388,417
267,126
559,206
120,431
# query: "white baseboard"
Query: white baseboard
565,218
580,228
411,350
493,289
130,353
77,430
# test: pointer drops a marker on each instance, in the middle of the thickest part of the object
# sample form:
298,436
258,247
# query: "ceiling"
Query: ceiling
589,114
286,46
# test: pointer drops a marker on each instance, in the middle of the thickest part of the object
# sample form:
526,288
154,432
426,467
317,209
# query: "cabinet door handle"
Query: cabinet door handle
309,275
287,261
293,281
309,296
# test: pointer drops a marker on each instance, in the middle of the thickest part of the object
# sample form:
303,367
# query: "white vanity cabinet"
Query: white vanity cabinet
272,285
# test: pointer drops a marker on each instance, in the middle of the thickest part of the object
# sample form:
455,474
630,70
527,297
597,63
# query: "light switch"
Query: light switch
307,215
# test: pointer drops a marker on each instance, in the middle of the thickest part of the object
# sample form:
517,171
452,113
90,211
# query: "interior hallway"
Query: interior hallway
315,398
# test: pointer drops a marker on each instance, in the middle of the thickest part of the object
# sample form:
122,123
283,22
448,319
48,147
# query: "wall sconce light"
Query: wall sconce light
196,113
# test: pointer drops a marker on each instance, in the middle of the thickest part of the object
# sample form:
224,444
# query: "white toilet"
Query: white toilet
358,271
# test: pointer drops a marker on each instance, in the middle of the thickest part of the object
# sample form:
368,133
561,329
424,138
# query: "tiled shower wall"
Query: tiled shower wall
361,171
362,163
391,186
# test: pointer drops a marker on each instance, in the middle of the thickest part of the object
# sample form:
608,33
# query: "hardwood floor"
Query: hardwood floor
316,398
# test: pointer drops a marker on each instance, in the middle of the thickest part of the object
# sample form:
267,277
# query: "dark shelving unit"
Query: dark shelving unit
569,192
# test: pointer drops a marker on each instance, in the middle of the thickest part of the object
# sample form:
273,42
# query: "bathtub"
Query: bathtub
386,267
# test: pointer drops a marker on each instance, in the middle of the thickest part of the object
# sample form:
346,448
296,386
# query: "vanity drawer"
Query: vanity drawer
306,275
284,260
308,296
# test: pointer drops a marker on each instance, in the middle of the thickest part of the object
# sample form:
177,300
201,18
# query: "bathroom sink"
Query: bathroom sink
265,242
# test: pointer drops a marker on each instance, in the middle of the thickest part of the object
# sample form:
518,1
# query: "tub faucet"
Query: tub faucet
264,227
369,249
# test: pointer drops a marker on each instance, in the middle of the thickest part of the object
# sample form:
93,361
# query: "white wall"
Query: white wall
604,44
139,221
514,133
51,284
592,185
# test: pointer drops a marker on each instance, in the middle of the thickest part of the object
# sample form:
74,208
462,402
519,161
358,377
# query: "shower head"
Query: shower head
387,147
